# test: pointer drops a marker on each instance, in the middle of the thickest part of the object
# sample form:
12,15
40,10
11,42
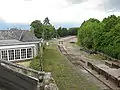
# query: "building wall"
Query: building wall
33,46
36,49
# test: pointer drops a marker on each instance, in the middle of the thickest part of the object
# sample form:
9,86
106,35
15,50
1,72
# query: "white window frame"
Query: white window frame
20,53
31,51
13,54
23,54
16,54
6,55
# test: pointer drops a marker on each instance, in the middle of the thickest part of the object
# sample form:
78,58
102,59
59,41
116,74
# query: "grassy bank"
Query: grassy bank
63,72
24,63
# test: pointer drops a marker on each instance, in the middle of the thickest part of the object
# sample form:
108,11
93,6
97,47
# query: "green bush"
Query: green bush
35,64
101,36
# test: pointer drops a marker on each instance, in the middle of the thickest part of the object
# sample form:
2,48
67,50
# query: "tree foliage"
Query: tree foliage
43,30
37,29
73,31
49,31
110,22
46,21
62,32
101,36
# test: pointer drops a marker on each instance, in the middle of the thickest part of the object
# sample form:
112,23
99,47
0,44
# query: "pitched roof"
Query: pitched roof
4,42
28,36
21,35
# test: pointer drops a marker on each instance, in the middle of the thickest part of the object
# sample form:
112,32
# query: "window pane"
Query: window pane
29,53
11,54
17,54
4,55
23,53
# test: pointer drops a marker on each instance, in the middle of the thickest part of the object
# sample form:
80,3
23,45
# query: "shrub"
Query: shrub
35,64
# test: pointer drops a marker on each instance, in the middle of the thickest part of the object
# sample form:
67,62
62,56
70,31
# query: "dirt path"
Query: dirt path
74,49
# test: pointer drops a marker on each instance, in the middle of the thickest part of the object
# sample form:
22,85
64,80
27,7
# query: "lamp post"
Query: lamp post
42,50
41,55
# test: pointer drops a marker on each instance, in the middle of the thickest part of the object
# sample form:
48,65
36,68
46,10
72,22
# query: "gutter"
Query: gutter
21,43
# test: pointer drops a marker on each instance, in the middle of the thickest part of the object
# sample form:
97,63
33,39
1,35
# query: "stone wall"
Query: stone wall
17,77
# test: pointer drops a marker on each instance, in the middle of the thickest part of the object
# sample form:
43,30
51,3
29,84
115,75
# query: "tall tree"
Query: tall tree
48,29
62,32
101,36
73,31
65,32
110,22
59,31
45,30
46,21
36,26
86,32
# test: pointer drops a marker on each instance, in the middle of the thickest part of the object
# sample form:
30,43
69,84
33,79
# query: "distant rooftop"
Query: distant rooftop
20,35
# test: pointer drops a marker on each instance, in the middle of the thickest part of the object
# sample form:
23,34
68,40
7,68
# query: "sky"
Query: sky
66,13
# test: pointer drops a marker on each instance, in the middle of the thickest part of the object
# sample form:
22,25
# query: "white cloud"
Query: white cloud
25,11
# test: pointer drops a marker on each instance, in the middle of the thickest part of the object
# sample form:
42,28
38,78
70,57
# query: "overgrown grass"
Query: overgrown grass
35,64
63,72
24,63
